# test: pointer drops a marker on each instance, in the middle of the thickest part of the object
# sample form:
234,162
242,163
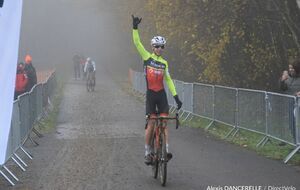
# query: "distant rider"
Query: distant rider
90,70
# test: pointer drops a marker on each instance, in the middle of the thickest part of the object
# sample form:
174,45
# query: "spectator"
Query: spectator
76,64
290,80
21,81
289,83
31,73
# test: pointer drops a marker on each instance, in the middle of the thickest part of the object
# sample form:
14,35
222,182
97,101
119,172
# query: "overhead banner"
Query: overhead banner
10,23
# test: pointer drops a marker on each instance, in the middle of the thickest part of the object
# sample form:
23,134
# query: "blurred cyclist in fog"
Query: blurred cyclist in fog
76,65
90,70
82,64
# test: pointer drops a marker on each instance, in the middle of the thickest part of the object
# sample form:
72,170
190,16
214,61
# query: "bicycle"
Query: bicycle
158,147
90,83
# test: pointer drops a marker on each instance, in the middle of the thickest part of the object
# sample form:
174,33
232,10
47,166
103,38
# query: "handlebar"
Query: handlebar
165,118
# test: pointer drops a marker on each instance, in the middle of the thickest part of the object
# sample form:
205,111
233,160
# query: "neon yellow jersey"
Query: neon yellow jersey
155,67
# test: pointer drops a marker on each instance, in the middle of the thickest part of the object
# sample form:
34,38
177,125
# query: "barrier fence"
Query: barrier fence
28,109
273,115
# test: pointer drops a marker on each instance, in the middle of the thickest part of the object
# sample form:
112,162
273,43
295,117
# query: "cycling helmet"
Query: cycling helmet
158,40
88,59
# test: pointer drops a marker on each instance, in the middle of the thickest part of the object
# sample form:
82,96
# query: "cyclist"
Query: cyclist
76,64
156,70
90,70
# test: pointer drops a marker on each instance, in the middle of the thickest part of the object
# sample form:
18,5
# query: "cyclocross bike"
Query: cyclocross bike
158,147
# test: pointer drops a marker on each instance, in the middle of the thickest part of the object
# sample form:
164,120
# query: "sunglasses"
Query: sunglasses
158,46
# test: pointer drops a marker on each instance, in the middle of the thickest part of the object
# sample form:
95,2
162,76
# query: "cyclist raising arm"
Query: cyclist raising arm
156,70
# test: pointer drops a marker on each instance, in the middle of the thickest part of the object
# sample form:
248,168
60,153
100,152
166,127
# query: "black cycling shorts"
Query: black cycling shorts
156,102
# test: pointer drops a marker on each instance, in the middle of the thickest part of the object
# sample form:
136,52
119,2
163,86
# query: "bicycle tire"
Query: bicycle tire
93,85
87,86
155,161
163,160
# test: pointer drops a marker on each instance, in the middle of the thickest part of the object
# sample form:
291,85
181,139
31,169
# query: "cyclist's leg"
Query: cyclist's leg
149,132
75,70
163,110
87,77
94,78
150,110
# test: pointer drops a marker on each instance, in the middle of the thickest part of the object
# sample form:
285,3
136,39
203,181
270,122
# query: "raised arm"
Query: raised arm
136,38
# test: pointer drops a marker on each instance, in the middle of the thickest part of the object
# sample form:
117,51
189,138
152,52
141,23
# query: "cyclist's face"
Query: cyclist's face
158,50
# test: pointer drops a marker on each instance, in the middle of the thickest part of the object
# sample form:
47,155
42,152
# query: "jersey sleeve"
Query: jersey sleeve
169,82
139,46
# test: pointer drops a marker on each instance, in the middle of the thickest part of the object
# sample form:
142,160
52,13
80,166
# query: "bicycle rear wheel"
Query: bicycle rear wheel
87,86
163,160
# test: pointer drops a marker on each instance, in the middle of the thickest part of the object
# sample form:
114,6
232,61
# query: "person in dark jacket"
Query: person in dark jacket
21,81
289,83
31,73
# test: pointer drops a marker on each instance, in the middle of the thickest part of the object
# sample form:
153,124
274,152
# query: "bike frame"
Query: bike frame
159,146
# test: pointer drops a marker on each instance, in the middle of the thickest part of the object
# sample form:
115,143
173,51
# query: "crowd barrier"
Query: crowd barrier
28,109
271,114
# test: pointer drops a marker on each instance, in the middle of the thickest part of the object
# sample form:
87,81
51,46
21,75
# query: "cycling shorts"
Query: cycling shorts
156,102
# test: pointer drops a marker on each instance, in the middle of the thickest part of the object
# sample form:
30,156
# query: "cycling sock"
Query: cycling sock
147,149
167,147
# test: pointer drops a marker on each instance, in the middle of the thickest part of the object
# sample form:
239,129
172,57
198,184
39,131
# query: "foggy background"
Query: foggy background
53,31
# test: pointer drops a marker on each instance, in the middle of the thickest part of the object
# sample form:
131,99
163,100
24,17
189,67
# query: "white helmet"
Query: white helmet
158,40
88,59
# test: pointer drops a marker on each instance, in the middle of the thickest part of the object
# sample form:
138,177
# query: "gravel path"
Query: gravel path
98,144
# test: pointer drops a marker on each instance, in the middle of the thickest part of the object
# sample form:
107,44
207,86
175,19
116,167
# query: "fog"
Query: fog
52,31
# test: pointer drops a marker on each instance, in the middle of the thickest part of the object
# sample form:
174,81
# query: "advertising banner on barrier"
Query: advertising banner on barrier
10,23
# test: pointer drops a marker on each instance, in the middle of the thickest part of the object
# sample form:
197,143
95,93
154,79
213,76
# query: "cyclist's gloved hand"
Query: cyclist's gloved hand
135,21
178,102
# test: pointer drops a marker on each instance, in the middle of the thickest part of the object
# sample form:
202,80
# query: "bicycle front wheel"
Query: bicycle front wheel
154,161
163,161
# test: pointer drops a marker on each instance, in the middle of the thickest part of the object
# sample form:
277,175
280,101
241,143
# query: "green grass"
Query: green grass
273,149
48,124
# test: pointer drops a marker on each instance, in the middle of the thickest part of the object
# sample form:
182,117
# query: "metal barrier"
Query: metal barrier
28,109
188,99
225,105
252,118
280,119
203,101
270,114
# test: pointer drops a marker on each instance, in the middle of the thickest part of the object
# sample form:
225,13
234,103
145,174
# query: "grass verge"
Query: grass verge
48,124
273,149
